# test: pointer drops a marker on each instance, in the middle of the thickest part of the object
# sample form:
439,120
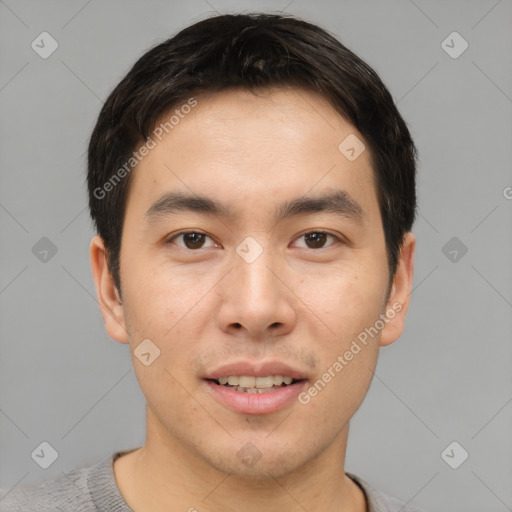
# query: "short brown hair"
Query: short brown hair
250,51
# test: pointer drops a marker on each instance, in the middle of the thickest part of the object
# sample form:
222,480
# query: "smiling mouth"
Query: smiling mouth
250,384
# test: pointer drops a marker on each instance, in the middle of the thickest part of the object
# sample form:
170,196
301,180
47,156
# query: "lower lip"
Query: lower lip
256,403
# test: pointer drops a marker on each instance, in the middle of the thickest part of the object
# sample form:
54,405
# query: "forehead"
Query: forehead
239,146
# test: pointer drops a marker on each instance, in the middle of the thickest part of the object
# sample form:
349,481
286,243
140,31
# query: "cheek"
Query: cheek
168,395
168,377
348,298
349,303
160,298
344,393
344,374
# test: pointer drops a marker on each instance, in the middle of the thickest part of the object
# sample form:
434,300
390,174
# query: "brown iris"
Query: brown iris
193,240
316,239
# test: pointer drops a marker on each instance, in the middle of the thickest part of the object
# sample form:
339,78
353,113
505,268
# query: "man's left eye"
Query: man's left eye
316,239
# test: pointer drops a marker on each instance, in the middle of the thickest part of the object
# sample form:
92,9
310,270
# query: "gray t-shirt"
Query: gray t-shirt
94,489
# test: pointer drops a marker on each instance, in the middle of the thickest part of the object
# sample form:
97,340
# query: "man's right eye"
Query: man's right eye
190,240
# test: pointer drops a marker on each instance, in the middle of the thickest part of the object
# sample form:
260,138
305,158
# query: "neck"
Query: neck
163,475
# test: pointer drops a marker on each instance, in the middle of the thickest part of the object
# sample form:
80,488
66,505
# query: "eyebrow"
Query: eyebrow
338,202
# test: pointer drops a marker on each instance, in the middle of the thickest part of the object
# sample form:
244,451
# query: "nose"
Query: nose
256,299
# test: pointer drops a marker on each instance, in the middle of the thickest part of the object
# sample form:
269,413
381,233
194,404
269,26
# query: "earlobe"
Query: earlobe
109,300
398,302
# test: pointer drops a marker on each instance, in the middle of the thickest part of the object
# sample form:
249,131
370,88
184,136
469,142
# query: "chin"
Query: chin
252,463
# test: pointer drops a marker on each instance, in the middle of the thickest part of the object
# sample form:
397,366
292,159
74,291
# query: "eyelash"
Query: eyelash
335,237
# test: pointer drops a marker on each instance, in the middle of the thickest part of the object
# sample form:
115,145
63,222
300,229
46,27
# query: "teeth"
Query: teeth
249,383
263,382
256,390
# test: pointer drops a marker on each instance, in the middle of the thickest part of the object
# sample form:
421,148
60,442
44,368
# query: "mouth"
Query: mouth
260,395
250,384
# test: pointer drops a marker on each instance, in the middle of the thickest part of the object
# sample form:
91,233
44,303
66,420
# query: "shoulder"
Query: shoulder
379,501
73,490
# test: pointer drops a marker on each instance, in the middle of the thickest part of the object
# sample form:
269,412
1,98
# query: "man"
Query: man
253,188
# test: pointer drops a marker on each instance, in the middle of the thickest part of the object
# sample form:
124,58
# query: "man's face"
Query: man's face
252,287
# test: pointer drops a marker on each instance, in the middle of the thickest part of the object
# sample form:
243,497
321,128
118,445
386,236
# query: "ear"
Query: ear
398,301
109,300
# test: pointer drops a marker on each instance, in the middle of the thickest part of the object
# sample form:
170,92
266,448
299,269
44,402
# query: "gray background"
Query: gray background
64,381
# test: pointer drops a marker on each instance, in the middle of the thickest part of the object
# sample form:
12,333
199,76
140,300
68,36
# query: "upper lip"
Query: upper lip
261,369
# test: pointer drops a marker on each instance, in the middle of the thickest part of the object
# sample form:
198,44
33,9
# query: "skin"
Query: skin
207,306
